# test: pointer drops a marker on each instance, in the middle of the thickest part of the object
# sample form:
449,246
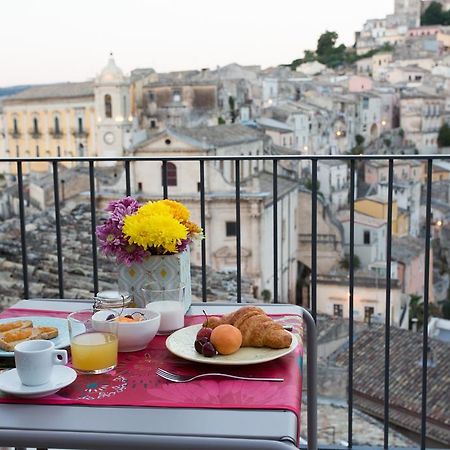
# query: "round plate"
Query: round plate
181,343
60,341
61,377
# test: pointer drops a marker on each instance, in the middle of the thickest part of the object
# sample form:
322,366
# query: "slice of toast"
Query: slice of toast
10,339
16,325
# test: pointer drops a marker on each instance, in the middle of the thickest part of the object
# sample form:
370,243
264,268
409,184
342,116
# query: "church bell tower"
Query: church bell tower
112,106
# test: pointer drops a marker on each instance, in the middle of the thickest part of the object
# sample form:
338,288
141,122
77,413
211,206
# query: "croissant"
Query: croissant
257,328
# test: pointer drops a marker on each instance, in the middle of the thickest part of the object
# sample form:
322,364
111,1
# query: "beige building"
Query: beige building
256,201
369,298
421,116
48,121
67,120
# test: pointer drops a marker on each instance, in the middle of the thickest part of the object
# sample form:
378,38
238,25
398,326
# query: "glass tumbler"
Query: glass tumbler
93,340
169,303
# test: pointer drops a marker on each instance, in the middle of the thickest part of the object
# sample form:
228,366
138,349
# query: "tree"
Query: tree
359,139
434,15
444,136
416,310
326,42
233,112
344,263
221,120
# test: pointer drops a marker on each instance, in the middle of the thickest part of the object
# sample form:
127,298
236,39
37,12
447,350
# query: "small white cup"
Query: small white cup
35,361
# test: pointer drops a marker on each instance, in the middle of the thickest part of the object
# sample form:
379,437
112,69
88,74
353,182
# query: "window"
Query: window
108,106
15,127
152,123
176,97
338,310
230,228
81,150
35,126
366,237
37,150
365,102
140,187
80,125
57,130
58,151
171,174
17,151
151,96
368,313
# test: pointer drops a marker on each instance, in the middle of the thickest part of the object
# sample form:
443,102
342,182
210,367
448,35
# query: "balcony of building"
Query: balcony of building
376,385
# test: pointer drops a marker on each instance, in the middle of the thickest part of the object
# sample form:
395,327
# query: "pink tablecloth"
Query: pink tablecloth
134,382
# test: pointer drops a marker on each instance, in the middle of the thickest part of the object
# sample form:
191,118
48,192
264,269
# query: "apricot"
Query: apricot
226,339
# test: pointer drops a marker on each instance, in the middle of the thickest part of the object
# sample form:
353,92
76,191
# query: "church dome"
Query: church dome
111,73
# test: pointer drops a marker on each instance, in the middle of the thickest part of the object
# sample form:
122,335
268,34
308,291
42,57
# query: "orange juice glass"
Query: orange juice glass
93,345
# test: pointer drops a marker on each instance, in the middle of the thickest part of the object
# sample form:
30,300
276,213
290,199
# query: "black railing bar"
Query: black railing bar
203,225
58,229
93,225
314,238
23,238
231,158
238,230
127,179
387,327
275,231
351,306
426,284
164,179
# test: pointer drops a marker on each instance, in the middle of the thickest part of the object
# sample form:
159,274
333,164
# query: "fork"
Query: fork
176,378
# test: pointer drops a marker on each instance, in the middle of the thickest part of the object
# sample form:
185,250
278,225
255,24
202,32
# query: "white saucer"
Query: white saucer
62,376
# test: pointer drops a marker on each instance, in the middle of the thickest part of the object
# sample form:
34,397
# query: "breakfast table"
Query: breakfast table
134,408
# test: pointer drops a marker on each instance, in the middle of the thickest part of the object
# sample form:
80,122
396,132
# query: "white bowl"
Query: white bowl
133,336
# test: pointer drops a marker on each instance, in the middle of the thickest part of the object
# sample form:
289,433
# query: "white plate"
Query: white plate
60,341
61,377
181,343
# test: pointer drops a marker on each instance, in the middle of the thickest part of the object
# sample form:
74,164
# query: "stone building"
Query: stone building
256,199
67,120
421,116
179,99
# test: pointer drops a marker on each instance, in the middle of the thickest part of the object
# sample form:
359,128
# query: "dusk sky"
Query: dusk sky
45,41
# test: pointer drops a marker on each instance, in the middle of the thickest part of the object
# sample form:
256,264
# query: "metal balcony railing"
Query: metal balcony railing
275,163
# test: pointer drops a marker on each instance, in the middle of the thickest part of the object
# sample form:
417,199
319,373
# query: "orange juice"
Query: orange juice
94,352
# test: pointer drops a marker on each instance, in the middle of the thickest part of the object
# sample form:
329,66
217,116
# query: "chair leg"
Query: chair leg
311,370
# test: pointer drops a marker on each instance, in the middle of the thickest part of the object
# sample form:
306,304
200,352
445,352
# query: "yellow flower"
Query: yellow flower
158,231
192,227
179,211
151,208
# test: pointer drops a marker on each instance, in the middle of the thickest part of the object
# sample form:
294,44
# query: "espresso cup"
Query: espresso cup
35,361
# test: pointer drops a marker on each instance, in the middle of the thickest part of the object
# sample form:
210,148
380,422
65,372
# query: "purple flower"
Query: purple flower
184,245
121,208
111,239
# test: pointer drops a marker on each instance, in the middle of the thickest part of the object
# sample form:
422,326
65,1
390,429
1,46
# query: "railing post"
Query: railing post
311,371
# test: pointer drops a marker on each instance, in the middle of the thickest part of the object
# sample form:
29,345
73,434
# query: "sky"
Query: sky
46,41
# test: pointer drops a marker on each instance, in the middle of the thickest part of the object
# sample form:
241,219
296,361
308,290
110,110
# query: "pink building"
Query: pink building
409,253
430,30
358,83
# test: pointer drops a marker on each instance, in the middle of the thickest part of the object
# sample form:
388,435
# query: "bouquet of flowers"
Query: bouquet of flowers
133,231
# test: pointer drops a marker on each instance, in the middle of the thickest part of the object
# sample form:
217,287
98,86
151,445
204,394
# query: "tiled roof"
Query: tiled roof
405,374
56,90
220,135
363,219
406,248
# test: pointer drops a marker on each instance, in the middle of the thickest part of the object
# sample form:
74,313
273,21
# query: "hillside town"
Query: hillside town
387,94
